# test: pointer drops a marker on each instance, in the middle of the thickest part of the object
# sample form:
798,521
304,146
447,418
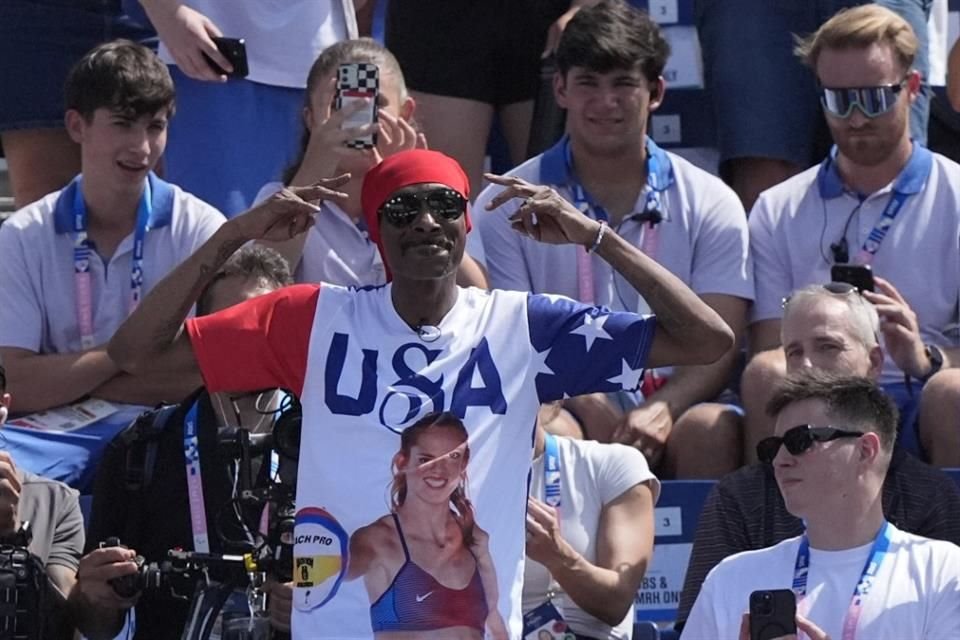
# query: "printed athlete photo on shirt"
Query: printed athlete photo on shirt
426,565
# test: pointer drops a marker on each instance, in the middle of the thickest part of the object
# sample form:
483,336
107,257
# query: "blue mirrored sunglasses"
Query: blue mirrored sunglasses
872,101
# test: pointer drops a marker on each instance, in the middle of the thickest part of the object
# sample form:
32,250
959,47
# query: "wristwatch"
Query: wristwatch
936,360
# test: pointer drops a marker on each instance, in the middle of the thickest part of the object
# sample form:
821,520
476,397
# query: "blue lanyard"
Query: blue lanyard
584,203
191,456
881,546
81,260
872,244
551,471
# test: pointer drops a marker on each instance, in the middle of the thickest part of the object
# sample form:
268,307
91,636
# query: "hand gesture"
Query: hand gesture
544,542
545,215
187,34
96,570
900,330
280,604
10,487
289,212
396,135
646,428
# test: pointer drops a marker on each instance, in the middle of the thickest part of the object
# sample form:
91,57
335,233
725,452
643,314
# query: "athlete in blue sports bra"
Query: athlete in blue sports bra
416,601
428,495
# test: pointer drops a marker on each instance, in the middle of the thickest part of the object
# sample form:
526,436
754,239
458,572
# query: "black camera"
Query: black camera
147,576
22,594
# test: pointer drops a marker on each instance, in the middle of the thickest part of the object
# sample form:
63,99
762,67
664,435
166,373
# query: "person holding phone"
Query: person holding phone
879,199
852,572
338,248
226,118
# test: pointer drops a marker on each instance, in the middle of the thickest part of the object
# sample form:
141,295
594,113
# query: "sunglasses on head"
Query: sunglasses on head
836,288
872,101
799,439
403,208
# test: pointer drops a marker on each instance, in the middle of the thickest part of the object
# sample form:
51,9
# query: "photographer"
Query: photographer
43,516
158,515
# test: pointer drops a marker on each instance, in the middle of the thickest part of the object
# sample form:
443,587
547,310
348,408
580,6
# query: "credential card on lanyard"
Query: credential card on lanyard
191,455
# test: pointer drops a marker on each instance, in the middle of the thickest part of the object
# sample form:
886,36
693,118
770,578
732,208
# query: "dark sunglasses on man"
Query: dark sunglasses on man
799,440
872,101
403,208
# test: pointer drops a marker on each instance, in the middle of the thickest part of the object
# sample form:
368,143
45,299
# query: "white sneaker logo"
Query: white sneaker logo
424,596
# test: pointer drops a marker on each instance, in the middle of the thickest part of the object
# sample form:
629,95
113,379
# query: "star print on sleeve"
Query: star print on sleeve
580,349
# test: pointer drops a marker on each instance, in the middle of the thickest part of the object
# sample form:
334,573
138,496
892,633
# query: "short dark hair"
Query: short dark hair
613,35
263,264
855,402
122,76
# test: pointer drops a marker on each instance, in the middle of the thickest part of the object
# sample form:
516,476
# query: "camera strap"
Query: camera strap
872,244
191,455
881,545
81,260
650,242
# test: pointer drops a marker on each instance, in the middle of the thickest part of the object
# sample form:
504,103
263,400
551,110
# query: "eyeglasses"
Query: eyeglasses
799,439
836,288
402,209
872,101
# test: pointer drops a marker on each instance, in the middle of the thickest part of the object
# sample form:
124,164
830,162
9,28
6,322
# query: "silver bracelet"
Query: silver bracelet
596,243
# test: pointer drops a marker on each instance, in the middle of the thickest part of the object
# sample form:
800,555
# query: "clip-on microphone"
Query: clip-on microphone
651,215
841,251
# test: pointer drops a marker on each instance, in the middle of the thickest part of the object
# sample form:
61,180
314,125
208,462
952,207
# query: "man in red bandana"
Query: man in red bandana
368,363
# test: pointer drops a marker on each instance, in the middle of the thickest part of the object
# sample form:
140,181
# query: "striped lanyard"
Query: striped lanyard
81,261
191,455
551,471
872,244
585,204
881,545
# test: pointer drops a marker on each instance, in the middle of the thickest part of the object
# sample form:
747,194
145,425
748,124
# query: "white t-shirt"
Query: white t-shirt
283,37
364,376
592,475
915,595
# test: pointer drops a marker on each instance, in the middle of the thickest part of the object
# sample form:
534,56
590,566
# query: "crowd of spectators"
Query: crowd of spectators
217,244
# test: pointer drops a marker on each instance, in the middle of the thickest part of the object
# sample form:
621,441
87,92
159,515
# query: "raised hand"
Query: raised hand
544,215
289,212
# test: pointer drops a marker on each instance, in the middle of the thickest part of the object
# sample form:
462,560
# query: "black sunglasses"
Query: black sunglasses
836,288
799,440
403,208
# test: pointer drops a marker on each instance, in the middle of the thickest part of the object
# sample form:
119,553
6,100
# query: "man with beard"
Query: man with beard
878,200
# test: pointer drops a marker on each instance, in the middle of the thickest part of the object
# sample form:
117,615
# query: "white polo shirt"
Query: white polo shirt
702,239
38,302
794,223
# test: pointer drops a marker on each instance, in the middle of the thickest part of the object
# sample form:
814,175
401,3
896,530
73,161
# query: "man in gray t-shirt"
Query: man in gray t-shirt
56,527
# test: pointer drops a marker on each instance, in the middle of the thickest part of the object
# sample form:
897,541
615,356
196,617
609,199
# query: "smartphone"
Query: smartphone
234,50
860,276
772,614
359,82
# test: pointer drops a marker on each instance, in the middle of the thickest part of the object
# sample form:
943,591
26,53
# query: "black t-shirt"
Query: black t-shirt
157,518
